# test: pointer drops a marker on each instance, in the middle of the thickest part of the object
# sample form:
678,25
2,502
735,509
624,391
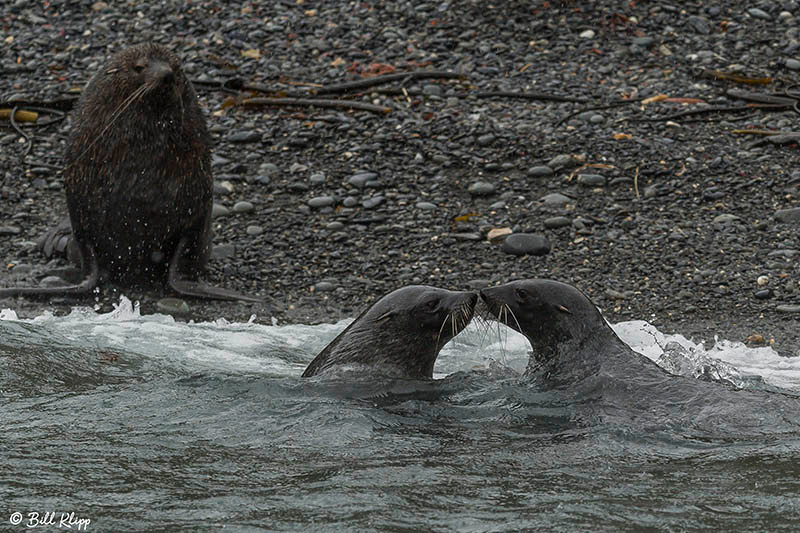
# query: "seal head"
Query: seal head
400,335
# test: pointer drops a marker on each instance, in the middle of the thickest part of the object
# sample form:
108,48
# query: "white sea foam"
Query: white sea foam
286,349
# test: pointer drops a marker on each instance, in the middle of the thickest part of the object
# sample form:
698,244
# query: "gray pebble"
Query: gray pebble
324,286
596,118
335,225
375,201
644,42
556,222
540,171
172,306
725,218
591,180
485,140
555,199
432,89
788,308
219,210
360,180
562,161
245,137
317,178
242,207
254,230
10,230
700,25
426,206
764,294
481,188
498,205
321,201
466,236
758,13
793,64
788,215
350,202
526,243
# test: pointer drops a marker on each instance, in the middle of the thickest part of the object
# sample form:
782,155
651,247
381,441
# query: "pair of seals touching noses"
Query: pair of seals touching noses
138,180
402,333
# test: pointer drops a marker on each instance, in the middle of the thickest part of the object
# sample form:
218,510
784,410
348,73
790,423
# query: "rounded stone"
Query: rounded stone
360,180
321,201
540,172
556,222
324,286
426,206
526,244
219,210
373,202
793,64
481,188
254,230
555,199
242,207
591,180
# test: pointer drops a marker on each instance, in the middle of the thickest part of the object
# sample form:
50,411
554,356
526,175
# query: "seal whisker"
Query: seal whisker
135,95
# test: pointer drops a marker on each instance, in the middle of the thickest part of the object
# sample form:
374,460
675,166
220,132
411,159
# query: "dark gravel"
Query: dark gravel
673,222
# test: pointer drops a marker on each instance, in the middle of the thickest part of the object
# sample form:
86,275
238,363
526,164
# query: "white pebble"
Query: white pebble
588,34
762,280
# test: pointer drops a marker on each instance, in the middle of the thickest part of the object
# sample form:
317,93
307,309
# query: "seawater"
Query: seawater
141,423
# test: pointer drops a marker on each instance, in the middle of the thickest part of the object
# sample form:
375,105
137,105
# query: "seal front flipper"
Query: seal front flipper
88,258
197,289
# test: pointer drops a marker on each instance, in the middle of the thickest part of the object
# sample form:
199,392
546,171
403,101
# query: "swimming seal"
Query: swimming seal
578,357
570,339
400,335
138,179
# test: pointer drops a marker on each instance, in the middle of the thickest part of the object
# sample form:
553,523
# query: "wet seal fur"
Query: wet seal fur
400,335
138,180
576,355
569,337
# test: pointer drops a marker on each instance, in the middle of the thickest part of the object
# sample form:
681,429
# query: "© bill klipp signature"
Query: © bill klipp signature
50,518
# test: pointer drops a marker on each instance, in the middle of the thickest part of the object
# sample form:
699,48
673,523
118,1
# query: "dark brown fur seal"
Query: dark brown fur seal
138,178
400,335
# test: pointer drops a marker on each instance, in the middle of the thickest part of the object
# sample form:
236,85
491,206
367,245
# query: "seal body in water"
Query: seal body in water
138,178
400,335
578,358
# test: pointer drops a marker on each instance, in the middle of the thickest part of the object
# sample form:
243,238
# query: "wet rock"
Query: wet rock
244,137
526,244
361,180
426,206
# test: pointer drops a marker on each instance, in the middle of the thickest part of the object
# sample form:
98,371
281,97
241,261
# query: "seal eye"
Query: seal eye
138,68
520,294
431,305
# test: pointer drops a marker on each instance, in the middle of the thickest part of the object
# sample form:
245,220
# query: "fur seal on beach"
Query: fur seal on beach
400,335
138,179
